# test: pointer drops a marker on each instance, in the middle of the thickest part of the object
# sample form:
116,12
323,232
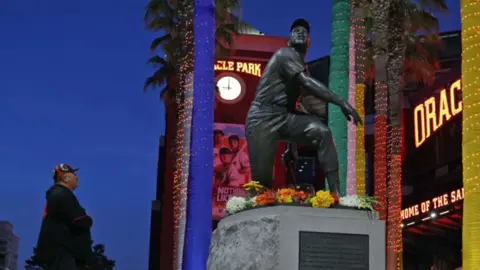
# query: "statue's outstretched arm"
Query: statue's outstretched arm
319,90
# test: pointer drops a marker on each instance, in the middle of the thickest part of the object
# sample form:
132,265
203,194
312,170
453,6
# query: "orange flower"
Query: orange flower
286,192
301,196
266,198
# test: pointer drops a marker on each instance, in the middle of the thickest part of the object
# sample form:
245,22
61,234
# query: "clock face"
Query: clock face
230,88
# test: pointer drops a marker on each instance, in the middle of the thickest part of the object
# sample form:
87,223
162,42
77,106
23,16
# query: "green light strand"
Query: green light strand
338,82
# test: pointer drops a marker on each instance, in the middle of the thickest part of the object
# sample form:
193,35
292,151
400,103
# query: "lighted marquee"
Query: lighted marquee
433,204
250,68
436,111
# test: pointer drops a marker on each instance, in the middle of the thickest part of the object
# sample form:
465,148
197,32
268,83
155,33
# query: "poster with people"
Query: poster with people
231,167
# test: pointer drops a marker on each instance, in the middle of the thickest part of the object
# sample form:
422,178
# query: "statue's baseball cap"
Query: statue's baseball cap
300,22
61,169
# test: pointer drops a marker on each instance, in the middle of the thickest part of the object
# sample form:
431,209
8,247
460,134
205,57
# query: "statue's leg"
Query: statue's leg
308,130
262,146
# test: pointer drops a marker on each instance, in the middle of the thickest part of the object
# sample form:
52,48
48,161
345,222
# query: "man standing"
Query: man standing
228,174
240,159
217,144
272,115
65,241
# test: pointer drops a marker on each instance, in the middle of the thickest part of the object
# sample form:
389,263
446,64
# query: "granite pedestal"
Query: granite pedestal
298,238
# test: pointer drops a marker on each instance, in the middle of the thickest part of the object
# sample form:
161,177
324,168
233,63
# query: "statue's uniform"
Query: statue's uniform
272,117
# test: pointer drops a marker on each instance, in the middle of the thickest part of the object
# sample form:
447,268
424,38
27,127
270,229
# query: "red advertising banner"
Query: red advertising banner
231,165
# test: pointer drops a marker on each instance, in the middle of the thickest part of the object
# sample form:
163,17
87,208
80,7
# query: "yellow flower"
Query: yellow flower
253,186
323,193
285,199
322,199
286,191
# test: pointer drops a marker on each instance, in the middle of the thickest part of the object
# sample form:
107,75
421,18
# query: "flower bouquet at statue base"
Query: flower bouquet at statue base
299,195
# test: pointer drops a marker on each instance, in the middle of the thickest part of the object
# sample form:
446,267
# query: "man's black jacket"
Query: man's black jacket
65,227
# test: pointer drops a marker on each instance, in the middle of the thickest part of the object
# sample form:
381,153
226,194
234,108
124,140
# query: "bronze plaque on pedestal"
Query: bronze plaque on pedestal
333,251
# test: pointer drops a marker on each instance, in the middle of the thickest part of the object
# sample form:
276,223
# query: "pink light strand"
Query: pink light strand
351,129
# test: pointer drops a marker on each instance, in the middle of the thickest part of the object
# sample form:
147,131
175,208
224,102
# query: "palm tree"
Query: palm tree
338,82
411,18
470,144
175,19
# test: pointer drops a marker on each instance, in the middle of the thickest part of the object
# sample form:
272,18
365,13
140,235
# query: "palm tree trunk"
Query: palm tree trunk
471,129
199,219
358,22
396,59
184,100
338,82
380,10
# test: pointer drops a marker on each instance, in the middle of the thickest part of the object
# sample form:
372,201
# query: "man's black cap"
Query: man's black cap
61,169
300,22
218,131
224,151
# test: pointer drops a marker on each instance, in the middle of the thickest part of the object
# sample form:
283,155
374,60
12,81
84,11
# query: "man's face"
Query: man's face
234,144
226,158
217,138
299,36
72,180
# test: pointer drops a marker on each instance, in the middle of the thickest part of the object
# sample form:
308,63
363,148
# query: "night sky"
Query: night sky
71,82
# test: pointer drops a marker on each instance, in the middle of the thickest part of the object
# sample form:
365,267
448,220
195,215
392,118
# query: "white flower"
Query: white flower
350,201
254,200
236,204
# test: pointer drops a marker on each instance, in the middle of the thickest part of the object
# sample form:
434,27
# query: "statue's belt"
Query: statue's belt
270,107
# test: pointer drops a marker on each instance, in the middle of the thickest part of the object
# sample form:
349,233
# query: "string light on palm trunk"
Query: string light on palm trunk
338,82
184,103
380,147
470,17
394,235
358,24
351,132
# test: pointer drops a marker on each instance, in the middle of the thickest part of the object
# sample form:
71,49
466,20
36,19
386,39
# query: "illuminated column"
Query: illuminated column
338,81
470,14
199,219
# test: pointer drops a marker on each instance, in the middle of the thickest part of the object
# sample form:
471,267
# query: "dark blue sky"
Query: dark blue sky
71,78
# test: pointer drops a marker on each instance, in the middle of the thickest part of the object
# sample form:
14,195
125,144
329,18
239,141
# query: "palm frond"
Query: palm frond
420,20
159,14
159,41
433,5
158,79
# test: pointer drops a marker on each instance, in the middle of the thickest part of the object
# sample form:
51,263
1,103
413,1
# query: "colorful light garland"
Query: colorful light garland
359,29
184,103
380,10
470,16
380,148
395,64
351,128
338,82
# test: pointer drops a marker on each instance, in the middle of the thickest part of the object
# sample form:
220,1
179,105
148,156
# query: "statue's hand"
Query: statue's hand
288,156
351,114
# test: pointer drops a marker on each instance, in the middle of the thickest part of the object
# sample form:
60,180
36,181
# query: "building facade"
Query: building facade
156,212
8,246
432,181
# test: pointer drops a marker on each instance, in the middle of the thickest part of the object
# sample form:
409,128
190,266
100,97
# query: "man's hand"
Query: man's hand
351,114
